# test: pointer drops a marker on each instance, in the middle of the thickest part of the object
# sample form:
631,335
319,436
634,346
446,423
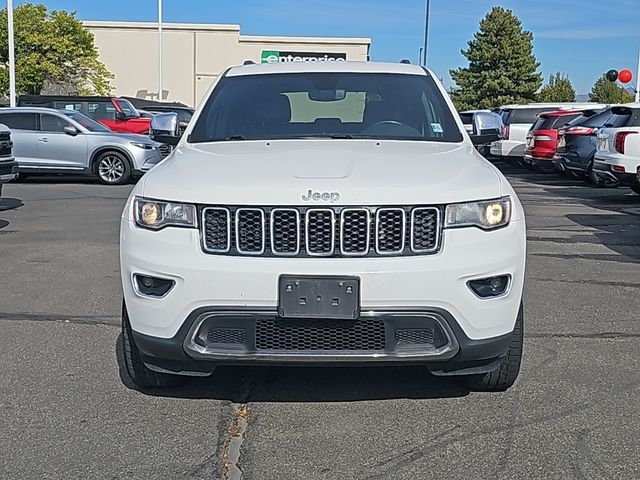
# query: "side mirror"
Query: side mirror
71,130
486,128
120,115
165,128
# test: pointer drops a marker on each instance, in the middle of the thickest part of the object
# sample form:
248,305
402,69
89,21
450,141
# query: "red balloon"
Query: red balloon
625,76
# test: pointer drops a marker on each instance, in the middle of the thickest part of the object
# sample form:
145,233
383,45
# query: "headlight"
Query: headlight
486,215
145,146
155,214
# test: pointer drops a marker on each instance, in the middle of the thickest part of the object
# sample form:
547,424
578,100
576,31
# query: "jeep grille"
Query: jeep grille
318,232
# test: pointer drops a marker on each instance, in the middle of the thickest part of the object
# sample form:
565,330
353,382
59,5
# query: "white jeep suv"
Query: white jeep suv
323,213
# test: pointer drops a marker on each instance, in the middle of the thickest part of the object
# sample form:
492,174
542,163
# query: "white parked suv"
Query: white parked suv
617,159
518,119
332,213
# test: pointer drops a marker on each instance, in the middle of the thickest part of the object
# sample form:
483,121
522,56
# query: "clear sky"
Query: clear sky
583,38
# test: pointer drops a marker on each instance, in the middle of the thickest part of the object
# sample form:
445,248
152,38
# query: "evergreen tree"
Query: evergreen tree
502,67
559,89
604,91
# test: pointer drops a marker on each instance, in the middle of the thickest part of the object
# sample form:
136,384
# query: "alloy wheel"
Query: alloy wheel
111,169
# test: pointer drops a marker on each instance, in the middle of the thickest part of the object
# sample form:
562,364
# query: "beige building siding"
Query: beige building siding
194,55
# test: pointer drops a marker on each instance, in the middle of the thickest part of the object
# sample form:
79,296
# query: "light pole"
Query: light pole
638,80
426,33
12,56
160,50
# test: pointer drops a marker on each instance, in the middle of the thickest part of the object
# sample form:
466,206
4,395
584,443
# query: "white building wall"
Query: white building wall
194,55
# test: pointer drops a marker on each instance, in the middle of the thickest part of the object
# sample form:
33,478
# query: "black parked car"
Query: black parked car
578,141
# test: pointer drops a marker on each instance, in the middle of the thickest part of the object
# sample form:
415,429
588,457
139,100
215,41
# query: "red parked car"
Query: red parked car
117,114
542,139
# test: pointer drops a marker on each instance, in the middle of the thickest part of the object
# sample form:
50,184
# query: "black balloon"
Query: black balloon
612,75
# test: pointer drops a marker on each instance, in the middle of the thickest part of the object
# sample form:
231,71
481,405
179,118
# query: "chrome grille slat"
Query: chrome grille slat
424,229
355,231
250,231
285,231
217,229
321,231
391,227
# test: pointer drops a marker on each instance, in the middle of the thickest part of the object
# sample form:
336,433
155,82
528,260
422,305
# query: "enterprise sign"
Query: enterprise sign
274,56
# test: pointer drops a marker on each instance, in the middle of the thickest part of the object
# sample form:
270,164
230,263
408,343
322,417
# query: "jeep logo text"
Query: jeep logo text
324,196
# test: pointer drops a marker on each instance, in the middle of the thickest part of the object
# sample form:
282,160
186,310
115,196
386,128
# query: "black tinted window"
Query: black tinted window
525,115
544,123
101,110
634,119
52,123
297,105
597,120
563,120
19,121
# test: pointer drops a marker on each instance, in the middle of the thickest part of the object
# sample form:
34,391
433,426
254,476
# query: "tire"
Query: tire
505,375
139,374
636,188
113,168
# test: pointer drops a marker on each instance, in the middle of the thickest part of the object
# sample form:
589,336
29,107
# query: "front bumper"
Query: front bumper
450,351
424,283
8,171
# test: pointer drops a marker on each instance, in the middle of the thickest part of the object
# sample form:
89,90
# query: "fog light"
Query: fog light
490,287
153,286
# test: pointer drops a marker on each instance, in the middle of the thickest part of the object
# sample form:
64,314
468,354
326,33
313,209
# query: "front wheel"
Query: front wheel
113,168
505,375
139,374
636,188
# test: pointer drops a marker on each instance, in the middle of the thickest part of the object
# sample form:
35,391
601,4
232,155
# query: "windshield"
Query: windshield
328,105
88,123
127,108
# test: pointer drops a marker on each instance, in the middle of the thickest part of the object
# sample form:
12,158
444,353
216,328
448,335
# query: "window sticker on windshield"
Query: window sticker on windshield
437,128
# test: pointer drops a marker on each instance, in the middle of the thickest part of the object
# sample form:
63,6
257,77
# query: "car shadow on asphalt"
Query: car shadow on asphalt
307,384
6,204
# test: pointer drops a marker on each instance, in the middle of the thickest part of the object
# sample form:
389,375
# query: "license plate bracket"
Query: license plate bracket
319,297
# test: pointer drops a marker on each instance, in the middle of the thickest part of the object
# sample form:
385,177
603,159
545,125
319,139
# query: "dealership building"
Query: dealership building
194,55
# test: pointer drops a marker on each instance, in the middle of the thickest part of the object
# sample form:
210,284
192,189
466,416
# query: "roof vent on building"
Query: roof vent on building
248,62
404,60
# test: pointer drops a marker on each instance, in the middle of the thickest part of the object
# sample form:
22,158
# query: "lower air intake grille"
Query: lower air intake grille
362,335
225,335
414,336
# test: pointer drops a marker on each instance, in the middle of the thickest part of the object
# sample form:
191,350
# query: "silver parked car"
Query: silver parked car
65,141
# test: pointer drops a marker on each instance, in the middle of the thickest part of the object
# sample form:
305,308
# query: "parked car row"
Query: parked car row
53,141
518,119
103,136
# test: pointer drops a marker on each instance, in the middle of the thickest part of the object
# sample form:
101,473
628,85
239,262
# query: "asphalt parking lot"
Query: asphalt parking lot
68,411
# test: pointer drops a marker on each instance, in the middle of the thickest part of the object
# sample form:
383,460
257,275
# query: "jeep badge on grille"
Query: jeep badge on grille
325,196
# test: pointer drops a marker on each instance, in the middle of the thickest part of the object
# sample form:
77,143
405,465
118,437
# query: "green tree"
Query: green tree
52,48
604,91
559,89
502,67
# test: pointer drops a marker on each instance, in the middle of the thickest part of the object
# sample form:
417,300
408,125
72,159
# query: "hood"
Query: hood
131,137
361,172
